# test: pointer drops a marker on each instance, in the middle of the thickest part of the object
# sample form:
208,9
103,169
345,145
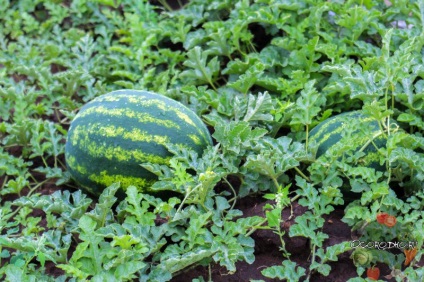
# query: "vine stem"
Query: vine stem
274,180
210,273
371,141
185,199
312,261
256,227
307,138
4,182
166,5
234,192
295,198
302,174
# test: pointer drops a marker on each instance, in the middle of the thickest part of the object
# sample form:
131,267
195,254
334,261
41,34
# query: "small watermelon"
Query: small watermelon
115,133
330,132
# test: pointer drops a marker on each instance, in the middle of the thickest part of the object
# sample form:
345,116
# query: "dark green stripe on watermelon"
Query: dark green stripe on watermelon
113,134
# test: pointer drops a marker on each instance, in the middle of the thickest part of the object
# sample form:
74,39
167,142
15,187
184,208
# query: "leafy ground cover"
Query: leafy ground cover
257,205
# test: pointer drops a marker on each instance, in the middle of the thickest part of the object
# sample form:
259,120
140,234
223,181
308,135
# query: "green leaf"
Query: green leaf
322,268
331,252
287,271
275,156
14,273
177,263
87,225
128,270
52,244
237,66
259,108
353,213
248,79
273,217
412,119
112,3
5,254
308,105
218,43
73,271
306,225
409,157
202,70
297,80
195,231
236,137
138,208
102,212
124,241
305,57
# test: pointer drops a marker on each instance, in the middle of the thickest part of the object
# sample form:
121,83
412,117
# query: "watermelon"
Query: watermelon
112,135
330,132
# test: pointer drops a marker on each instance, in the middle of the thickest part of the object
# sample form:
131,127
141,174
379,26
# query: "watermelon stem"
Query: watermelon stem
234,199
186,197
371,141
312,261
381,201
165,5
307,137
301,174
209,273
274,180
254,228
295,198
4,182
184,200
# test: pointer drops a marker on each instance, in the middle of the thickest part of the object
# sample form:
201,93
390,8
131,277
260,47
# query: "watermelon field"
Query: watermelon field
212,140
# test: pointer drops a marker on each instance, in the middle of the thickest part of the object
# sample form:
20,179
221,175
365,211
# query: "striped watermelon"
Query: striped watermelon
114,133
328,133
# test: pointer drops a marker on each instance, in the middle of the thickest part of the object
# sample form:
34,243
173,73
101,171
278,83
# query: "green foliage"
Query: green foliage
261,74
288,271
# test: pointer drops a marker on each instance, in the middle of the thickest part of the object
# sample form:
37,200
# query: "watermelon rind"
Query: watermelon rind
112,135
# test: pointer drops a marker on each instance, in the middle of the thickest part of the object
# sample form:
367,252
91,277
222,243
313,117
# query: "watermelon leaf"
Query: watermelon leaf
201,70
287,271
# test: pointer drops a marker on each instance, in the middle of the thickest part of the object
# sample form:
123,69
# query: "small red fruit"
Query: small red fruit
373,273
390,221
381,217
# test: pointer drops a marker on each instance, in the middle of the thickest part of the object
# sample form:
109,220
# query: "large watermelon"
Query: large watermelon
330,132
115,133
